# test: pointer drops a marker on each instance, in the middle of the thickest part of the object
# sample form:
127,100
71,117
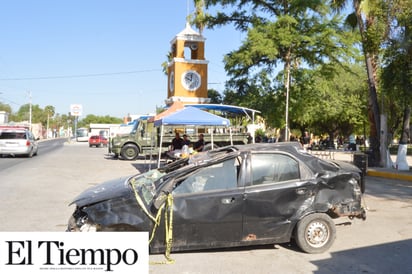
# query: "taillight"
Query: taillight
27,143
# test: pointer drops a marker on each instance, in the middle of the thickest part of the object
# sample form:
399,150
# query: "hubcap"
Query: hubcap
317,234
130,152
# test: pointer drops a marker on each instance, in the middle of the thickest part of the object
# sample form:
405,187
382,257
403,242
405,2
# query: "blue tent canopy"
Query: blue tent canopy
225,108
189,116
192,116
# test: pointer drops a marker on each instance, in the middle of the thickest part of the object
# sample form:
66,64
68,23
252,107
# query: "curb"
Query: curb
389,175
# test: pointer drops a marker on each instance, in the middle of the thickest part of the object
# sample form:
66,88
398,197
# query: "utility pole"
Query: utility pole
47,128
30,110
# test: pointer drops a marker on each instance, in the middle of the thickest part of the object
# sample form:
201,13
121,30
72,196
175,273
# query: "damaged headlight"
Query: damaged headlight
88,228
80,223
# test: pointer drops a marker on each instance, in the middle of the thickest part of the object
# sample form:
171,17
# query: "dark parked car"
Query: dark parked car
98,141
232,196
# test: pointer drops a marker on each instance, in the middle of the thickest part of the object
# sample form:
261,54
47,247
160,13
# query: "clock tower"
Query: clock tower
187,70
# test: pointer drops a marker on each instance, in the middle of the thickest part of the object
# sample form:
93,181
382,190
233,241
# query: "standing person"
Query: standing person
352,142
177,142
199,144
249,138
306,140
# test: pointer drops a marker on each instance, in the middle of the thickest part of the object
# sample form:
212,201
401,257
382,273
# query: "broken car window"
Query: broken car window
218,176
270,168
145,184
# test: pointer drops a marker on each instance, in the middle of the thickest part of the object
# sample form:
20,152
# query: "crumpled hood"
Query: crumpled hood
346,166
104,191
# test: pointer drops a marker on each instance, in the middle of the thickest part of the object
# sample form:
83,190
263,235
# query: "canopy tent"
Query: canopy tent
173,108
229,110
189,116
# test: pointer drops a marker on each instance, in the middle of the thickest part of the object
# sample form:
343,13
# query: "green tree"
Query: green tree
397,70
61,121
5,107
288,33
91,118
50,111
198,18
215,96
343,100
371,19
23,114
255,92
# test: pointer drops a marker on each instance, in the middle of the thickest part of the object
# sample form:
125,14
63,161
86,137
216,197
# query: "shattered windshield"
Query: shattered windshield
145,184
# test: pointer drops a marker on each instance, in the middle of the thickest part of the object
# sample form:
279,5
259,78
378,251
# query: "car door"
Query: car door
274,194
207,207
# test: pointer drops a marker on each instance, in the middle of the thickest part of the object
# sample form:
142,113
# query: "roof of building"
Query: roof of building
189,34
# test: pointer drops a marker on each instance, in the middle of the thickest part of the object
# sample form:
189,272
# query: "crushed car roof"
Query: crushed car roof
293,148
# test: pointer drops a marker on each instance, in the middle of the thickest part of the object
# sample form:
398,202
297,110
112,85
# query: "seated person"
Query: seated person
199,144
177,142
186,140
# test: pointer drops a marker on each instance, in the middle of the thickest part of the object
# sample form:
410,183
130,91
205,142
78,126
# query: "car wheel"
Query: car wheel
315,233
129,152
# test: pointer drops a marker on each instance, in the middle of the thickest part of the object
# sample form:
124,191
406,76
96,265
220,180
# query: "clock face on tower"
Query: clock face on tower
191,80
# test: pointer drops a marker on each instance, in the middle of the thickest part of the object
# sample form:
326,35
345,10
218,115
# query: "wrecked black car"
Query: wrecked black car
232,196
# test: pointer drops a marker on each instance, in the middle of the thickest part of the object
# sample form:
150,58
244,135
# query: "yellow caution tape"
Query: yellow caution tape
140,203
169,227
156,220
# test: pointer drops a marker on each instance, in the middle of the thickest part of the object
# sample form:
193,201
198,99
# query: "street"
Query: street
35,195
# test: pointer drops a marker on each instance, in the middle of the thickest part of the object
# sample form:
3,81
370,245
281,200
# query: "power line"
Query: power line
5,99
78,75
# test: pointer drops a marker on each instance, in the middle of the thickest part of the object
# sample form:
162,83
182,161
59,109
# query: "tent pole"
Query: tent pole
254,128
211,136
160,146
231,137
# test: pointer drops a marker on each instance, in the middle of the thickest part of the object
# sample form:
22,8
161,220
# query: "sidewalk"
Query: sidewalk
390,173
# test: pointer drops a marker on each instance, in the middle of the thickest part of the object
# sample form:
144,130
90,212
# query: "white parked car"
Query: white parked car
17,141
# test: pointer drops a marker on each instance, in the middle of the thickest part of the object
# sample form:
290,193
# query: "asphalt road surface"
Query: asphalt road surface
35,195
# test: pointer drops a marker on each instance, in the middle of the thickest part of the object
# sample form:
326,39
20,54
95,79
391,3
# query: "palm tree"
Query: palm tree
50,110
365,17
